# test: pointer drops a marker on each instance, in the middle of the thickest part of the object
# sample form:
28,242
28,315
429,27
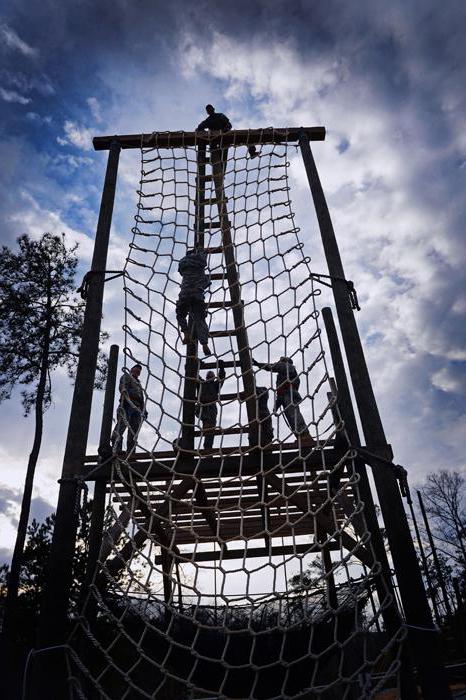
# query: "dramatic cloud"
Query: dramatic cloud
387,82
12,96
13,42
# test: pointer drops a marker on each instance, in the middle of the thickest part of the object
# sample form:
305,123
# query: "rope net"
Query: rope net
236,560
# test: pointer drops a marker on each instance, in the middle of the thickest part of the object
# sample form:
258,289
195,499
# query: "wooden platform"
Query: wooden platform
237,495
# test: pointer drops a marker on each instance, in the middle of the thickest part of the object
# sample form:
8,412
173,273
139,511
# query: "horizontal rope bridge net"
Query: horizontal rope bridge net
236,560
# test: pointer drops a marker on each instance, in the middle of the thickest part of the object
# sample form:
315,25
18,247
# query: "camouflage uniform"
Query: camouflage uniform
287,395
191,303
130,413
206,409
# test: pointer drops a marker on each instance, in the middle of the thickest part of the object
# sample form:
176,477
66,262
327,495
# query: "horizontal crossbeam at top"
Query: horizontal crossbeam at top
236,137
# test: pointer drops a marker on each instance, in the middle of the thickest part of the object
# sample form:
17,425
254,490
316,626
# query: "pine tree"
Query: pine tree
40,330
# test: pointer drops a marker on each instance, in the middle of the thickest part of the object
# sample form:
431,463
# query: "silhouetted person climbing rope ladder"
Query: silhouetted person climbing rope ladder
288,397
131,412
206,408
190,307
216,121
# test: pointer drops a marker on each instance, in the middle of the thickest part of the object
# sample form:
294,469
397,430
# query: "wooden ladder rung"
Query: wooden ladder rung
219,304
213,250
213,200
214,365
209,225
206,178
217,276
223,431
223,334
232,397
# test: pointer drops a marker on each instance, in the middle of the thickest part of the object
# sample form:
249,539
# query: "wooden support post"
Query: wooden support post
167,565
262,491
235,294
433,549
109,399
326,557
425,642
383,582
219,156
54,613
391,616
98,504
425,566
191,372
199,222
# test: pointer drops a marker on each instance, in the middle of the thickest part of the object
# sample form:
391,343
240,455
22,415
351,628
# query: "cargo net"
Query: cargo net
244,569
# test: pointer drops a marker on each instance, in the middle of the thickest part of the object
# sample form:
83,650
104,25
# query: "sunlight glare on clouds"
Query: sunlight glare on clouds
76,135
445,380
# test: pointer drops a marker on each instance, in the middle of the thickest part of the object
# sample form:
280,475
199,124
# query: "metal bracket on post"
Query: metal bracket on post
352,293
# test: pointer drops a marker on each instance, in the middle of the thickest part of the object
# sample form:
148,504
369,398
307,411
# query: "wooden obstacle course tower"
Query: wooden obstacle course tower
202,473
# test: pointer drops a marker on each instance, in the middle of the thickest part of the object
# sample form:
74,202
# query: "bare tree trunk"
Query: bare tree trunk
17,560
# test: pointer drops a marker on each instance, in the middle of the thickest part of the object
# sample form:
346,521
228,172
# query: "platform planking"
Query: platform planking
249,552
274,446
183,139
213,462
230,487
234,530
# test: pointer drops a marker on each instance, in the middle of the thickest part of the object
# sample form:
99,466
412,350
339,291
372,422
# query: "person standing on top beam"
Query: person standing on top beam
190,308
216,121
288,397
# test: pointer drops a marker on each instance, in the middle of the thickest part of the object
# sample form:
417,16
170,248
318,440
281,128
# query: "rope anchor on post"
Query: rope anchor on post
353,295
84,288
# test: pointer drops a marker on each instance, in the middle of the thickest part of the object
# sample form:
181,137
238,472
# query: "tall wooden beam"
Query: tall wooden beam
425,566
55,602
54,612
383,581
100,488
425,642
219,161
345,404
191,372
182,139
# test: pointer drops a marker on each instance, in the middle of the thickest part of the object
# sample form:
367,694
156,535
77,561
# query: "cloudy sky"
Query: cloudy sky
386,80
